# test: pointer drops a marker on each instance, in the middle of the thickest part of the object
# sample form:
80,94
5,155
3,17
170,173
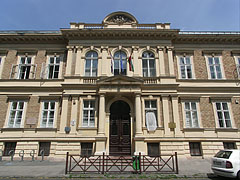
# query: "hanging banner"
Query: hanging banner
151,121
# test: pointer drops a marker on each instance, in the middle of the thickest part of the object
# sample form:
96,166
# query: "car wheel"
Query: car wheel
238,175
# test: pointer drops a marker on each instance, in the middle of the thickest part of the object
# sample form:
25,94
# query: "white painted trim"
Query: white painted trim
2,65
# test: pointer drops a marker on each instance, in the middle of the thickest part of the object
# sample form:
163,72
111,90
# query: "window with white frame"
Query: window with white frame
215,67
151,114
223,115
120,63
91,64
16,114
48,114
148,64
191,115
53,67
238,65
24,68
185,67
88,113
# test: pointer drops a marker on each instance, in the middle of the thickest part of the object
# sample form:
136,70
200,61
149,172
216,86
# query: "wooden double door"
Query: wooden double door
120,129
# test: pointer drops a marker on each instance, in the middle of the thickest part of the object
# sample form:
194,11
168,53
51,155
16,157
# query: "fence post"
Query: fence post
176,159
66,167
21,154
140,164
103,163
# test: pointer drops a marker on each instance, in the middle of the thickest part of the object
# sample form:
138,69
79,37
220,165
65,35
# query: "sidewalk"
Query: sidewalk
188,167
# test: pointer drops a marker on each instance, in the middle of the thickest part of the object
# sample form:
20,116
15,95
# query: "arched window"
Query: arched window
91,64
148,64
120,63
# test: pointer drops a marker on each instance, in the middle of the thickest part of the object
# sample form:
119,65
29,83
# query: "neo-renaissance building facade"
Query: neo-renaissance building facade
119,87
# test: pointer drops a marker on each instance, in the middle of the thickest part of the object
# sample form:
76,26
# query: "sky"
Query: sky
186,15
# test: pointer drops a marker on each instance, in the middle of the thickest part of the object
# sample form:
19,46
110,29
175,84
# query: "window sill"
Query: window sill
226,130
45,129
193,129
28,129
87,128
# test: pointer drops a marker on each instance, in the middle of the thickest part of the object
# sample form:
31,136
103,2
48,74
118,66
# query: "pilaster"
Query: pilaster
166,118
79,63
63,122
161,60
176,115
170,59
69,60
138,113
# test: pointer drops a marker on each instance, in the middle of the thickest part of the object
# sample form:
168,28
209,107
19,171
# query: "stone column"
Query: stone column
138,110
78,66
166,117
170,60
161,60
69,60
176,115
102,115
63,122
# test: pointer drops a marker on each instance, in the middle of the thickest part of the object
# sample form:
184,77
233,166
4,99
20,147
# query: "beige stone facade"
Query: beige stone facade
73,90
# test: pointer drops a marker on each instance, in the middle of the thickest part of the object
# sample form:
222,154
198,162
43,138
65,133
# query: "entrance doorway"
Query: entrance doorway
120,129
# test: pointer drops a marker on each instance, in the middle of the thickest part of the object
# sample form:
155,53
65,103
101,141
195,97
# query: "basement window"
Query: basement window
229,145
86,149
153,149
9,147
44,147
195,148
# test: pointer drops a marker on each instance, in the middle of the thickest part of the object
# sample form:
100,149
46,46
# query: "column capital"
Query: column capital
104,48
102,93
174,97
79,48
164,95
160,48
137,94
135,48
70,48
170,48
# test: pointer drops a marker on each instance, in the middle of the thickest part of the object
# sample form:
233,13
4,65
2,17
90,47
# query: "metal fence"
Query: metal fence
102,164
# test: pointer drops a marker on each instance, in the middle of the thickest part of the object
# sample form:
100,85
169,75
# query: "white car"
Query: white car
227,163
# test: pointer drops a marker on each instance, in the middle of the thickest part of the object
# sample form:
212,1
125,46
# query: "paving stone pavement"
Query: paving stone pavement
188,167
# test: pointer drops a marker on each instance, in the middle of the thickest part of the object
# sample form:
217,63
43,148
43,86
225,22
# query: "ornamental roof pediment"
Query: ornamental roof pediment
120,18
120,79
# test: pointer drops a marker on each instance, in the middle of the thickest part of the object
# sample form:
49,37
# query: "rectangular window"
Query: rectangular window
185,68
120,67
24,68
48,111
238,66
86,149
215,67
191,115
151,106
229,145
223,115
153,149
44,148
195,148
9,148
16,114
53,67
88,113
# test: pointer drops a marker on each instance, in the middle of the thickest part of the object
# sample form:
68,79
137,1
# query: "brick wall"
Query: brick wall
236,111
200,65
32,111
229,64
9,61
207,114
40,58
3,110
